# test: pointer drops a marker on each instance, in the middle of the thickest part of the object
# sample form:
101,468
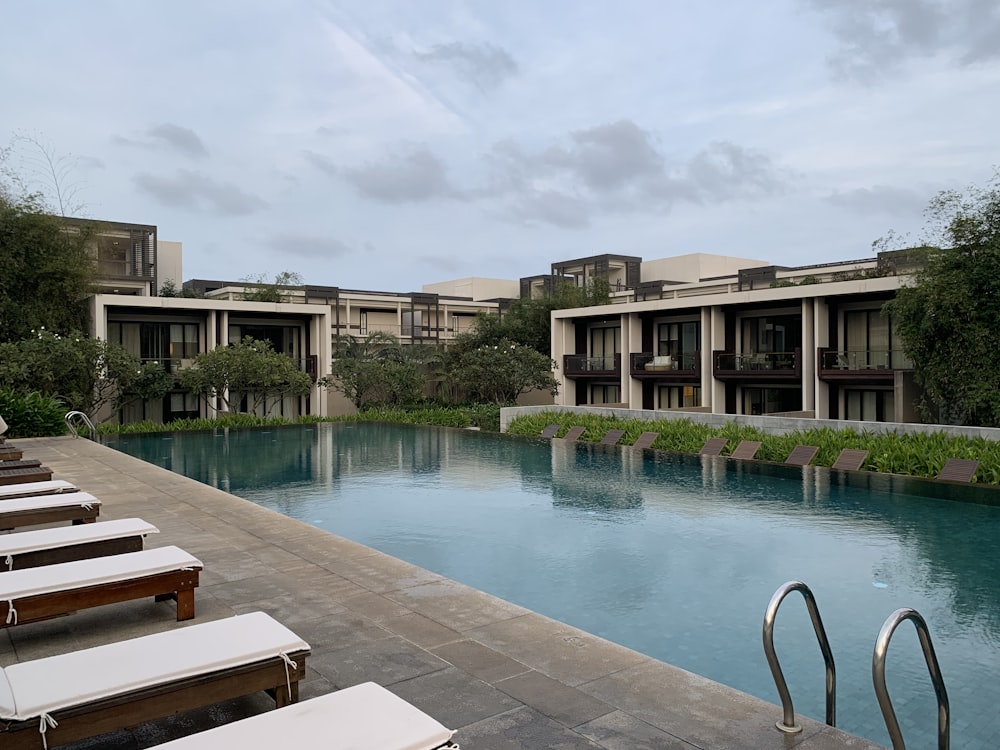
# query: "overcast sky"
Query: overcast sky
387,144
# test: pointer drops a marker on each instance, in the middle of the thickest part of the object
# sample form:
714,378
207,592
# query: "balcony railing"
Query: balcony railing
580,366
648,365
758,365
870,364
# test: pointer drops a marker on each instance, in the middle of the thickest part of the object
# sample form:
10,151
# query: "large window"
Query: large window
779,333
605,342
870,405
605,393
771,400
678,396
871,341
284,339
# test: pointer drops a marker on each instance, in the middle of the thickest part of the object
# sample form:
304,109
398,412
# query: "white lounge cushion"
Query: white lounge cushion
363,717
46,685
23,489
64,536
39,502
17,584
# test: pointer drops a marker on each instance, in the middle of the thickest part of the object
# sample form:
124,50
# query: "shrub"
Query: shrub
32,414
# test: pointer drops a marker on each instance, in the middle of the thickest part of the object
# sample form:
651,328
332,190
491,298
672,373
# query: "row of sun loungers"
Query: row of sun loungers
849,459
73,696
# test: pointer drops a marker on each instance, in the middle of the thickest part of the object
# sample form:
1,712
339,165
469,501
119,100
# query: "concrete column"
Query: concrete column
562,344
632,396
821,326
98,317
716,340
808,356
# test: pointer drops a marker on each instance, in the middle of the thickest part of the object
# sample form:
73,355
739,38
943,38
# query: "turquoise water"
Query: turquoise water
669,555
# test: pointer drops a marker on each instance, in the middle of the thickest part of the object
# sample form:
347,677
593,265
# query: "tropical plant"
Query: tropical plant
374,371
270,291
250,369
31,414
501,372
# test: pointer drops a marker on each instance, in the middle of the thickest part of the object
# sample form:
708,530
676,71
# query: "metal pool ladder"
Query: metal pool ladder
878,677
787,724
79,415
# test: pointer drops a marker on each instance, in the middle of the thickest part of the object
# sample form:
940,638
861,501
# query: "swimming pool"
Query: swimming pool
670,555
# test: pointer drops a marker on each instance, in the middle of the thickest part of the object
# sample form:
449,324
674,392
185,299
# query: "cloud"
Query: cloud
322,163
187,189
173,137
551,207
413,177
608,157
486,66
877,36
879,199
308,245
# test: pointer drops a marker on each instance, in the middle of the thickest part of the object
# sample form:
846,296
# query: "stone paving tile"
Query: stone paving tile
455,698
556,649
460,607
554,699
479,660
421,630
385,661
522,729
375,606
620,731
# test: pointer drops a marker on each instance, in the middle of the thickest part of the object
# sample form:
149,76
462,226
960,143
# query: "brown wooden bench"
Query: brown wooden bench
746,449
178,670
76,507
646,440
40,593
31,489
713,447
802,455
10,452
850,459
611,437
958,470
574,434
32,549
17,476
19,463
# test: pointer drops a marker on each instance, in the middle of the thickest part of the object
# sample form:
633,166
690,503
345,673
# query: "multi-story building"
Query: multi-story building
744,338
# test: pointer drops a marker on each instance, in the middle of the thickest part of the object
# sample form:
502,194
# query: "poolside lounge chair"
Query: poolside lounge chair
850,459
98,690
31,549
27,474
10,452
78,507
959,470
19,463
574,434
26,489
366,715
611,437
646,440
40,593
550,431
713,447
746,449
802,455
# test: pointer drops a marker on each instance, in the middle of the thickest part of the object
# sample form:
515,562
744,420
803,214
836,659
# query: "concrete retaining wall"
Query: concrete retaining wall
773,425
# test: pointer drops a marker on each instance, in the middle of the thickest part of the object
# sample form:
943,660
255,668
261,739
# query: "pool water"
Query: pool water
673,556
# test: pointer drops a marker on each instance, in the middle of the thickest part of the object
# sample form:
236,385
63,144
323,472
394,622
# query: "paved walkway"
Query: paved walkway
503,676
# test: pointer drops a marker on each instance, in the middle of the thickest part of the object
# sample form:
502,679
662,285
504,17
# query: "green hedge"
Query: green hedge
919,454
32,414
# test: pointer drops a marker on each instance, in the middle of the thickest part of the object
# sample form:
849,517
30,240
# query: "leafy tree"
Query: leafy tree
85,374
376,371
500,372
46,272
949,317
251,368
264,291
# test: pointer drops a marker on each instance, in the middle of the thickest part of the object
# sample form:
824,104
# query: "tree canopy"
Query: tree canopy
499,373
375,371
949,317
250,368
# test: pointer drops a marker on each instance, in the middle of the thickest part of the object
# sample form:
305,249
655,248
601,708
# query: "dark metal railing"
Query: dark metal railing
578,364
757,361
857,361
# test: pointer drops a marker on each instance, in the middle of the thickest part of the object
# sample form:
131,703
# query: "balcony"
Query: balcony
580,366
873,366
647,366
758,366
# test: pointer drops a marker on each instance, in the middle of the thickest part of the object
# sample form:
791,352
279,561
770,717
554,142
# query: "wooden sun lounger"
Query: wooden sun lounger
574,434
31,549
28,474
10,452
850,459
746,449
611,437
646,440
959,470
713,447
40,593
26,489
365,715
77,507
98,690
19,463
550,431
802,455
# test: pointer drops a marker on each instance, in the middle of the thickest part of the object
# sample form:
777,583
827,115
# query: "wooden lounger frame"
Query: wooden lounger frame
30,474
10,453
7,464
713,447
645,440
550,431
574,434
56,514
959,470
850,459
747,449
611,437
119,712
70,552
802,455
174,584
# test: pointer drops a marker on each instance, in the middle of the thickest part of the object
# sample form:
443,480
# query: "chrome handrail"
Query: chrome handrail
787,724
878,677
71,415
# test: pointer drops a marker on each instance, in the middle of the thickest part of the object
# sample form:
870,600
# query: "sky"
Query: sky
388,144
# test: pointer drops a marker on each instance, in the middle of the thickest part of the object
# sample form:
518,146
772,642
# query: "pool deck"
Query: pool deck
503,676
